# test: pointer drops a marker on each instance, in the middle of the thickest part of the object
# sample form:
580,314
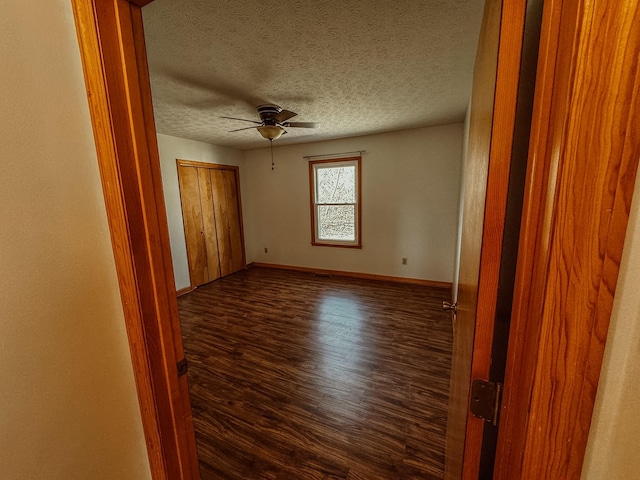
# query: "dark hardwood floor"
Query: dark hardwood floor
296,376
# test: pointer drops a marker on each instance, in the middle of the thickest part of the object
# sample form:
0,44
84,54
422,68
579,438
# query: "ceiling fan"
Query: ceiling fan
273,122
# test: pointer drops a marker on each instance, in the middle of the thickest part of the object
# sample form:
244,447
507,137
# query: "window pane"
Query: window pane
336,184
336,222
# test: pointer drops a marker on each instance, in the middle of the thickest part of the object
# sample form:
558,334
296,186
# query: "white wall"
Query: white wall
612,451
68,407
171,149
409,204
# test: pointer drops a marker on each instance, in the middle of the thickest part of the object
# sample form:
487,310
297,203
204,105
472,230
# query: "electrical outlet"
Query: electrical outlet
404,260
266,250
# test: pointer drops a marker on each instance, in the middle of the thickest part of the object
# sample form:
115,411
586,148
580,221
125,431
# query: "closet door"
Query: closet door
212,220
193,225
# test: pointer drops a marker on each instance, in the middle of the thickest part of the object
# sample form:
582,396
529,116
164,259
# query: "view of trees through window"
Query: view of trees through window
336,202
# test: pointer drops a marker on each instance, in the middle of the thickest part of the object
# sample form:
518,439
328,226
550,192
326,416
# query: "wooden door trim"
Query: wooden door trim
583,160
113,55
194,163
532,258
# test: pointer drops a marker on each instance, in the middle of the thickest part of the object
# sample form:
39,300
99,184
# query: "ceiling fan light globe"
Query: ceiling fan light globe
271,132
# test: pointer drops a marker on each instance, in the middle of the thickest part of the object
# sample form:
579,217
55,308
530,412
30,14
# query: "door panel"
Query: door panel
222,222
475,188
193,225
209,224
235,227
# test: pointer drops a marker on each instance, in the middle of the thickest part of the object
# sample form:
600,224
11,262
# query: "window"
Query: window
335,202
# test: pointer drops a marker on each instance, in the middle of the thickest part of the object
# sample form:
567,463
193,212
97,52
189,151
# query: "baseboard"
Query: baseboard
184,291
365,276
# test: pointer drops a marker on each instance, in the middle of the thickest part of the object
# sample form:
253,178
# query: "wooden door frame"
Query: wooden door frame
114,60
583,159
113,54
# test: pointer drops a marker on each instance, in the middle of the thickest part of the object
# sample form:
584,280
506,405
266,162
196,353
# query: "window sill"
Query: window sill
336,245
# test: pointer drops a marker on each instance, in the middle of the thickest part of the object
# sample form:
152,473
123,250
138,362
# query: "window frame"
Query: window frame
313,166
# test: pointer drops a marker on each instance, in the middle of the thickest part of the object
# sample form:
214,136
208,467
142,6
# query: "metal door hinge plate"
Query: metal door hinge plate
485,400
183,366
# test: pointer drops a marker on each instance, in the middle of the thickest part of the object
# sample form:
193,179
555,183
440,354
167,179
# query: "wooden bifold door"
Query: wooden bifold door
212,215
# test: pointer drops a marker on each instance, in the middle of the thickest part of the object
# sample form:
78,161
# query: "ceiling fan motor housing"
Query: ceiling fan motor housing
268,112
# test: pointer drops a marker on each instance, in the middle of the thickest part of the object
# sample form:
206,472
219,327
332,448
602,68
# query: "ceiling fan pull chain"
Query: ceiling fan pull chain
271,143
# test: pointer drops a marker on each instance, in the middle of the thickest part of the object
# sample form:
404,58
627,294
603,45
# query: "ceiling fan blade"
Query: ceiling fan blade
300,124
284,115
239,129
243,120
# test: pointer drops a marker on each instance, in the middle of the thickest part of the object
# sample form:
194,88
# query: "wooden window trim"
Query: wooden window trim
312,203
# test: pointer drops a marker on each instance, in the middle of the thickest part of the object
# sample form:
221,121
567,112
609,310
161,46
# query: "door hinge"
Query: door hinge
485,400
183,366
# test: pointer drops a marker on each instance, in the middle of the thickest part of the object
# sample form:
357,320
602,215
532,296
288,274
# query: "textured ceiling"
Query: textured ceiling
354,66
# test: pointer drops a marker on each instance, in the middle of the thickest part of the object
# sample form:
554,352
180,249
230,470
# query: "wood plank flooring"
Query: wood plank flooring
296,376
